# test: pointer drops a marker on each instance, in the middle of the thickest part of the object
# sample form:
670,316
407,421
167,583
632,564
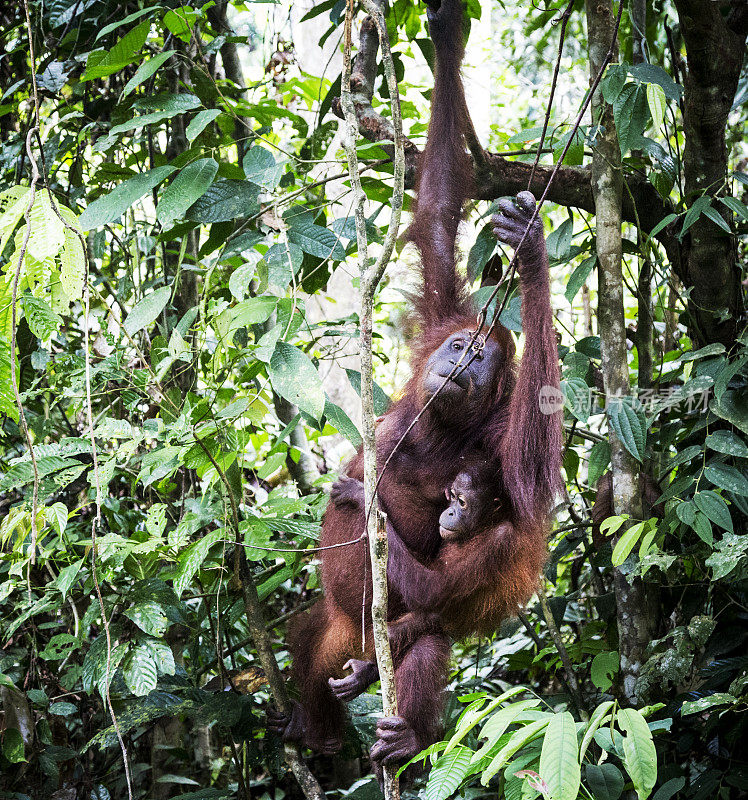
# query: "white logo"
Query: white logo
551,400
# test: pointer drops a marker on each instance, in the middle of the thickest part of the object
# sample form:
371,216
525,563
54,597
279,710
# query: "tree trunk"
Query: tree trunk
633,628
715,44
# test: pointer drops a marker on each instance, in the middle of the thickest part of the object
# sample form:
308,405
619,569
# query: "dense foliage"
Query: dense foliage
160,286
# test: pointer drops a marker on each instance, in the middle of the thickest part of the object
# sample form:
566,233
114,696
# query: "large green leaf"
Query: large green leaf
631,112
604,781
295,378
630,425
480,252
107,62
599,716
148,616
261,168
639,755
200,122
448,773
190,184
381,401
42,321
191,559
498,723
164,106
146,311
140,671
626,543
342,422
579,277
733,406
726,477
224,201
599,461
112,206
559,758
727,442
145,70
714,506
518,740
315,240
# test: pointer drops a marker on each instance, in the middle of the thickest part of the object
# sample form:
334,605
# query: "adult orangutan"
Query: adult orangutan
489,408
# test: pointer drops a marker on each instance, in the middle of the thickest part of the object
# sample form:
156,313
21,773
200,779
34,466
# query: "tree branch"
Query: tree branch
370,276
495,175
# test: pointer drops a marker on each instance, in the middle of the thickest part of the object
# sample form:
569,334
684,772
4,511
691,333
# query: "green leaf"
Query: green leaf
342,422
190,184
727,373
126,21
731,549
686,512
733,407
200,122
7,398
165,106
224,201
13,748
605,667
67,577
704,703
112,206
448,773
63,709
578,397
498,723
604,781
717,219
703,528
381,400
162,655
630,111
599,461
144,71
119,56
559,758
615,79
715,507
657,104
146,311
693,213
260,167
579,277
651,73
72,259
480,252
669,789
630,425
42,321
639,755
140,671
315,240
191,559
736,206
727,442
559,240
599,716
518,740
148,616
295,378
626,543
727,477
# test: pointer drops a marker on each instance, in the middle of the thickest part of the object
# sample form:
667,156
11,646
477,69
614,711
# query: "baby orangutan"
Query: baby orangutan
450,590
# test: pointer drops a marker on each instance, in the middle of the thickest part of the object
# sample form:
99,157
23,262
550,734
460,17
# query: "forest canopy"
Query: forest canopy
180,386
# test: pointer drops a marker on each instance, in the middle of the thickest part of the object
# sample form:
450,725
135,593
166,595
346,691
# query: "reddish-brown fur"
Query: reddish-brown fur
481,580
